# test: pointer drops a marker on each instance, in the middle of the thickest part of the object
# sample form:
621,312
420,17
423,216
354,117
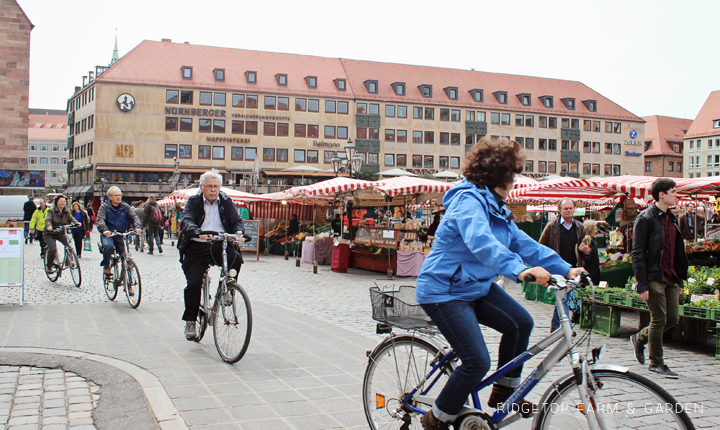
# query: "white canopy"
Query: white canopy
396,172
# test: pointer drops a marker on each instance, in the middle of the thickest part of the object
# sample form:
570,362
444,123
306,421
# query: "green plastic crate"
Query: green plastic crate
639,304
615,299
530,291
607,319
717,343
543,296
693,312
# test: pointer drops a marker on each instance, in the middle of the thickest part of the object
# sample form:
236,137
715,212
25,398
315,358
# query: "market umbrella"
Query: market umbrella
400,186
446,174
396,172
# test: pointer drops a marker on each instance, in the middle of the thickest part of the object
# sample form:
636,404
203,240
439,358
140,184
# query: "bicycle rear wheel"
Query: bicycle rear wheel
132,282
394,369
55,274
622,401
111,287
73,263
232,326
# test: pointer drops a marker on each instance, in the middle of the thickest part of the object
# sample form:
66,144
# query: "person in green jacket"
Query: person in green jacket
37,225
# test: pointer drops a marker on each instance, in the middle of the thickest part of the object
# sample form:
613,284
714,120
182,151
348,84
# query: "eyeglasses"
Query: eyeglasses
212,187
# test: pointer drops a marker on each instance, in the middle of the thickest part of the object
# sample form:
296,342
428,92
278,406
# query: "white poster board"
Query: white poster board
11,259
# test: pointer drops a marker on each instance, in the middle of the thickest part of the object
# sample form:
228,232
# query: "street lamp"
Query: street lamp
175,176
336,162
354,162
350,150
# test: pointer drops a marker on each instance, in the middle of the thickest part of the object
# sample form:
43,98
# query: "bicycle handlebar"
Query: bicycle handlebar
554,284
217,236
63,228
116,233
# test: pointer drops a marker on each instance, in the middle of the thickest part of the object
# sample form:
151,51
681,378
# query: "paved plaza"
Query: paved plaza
303,370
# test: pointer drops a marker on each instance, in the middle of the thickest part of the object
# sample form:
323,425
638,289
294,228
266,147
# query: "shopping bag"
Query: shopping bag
616,239
87,246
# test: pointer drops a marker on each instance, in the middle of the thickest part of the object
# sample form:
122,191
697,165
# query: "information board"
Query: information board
11,259
251,229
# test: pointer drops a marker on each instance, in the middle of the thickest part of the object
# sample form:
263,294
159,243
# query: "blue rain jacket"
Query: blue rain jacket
475,242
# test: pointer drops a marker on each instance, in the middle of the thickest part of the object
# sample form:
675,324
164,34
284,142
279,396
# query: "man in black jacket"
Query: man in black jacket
660,266
209,210
29,209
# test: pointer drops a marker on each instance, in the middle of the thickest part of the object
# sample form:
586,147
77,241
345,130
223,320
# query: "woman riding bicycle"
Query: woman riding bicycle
59,215
475,242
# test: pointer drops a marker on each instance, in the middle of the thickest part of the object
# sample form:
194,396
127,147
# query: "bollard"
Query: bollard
286,255
315,267
297,262
265,252
390,273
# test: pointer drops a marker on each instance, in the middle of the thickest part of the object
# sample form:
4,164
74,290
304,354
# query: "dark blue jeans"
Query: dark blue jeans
459,322
109,244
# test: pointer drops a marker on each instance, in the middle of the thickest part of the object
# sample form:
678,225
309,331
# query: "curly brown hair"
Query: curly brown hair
494,162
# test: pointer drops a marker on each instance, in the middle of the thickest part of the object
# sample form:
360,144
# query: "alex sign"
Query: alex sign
122,150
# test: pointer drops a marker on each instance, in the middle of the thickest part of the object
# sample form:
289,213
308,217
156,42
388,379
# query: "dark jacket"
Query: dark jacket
592,263
193,217
110,218
149,219
648,244
336,224
29,209
56,218
551,238
686,231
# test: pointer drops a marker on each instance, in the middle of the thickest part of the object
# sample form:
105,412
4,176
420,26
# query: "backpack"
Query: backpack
157,214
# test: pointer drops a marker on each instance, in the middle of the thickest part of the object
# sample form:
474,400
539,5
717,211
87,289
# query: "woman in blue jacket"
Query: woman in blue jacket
475,242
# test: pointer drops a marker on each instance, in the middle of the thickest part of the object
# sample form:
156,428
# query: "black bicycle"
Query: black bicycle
124,271
69,261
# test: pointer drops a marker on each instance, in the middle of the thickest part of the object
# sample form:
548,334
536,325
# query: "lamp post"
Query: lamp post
175,176
336,162
354,162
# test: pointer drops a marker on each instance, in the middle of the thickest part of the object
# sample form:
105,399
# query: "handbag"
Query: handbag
87,246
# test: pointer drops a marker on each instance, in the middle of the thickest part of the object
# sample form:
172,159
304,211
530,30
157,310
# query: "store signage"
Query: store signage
633,134
633,142
194,112
125,102
368,197
323,143
124,150
227,139
422,171
273,117
633,154
518,209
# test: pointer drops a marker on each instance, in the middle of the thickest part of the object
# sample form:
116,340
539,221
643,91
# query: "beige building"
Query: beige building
47,146
664,145
235,109
702,140
15,28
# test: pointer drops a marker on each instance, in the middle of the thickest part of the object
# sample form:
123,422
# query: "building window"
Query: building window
301,105
454,162
281,155
342,132
329,106
268,154
33,160
238,100
444,114
299,156
269,103
390,111
172,96
390,135
402,135
444,138
529,121
587,147
417,136
451,92
430,137
425,91
542,144
250,154
251,127
205,98
547,101
443,162
313,105
362,108
312,156
429,113
617,149
524,99
671,166
591,105
529,143
374,109
219,74
417,112
616,170
371,86
617,127
552,122
429,162
501,97
398,88
171,123
205,126
608,148
389,160
477,95
236,153
552,144
569,103
251,77
283,103
269,129
519,120
505,119
529,166
313,130
218,152
342,108
455,115
219,126
402,111
238,127
204,151
185,151
329,132
552,167
283,129
186,72
281,79
339,84
401,160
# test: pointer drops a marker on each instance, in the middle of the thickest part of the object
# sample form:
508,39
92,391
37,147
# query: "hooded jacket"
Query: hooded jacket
475,242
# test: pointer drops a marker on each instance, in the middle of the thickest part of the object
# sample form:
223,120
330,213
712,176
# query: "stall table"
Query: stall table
340,258
409,262
320,251
617,275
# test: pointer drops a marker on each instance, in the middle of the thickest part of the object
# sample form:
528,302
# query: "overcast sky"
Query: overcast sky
650,57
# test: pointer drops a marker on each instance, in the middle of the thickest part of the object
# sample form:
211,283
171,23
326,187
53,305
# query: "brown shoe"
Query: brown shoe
500,393
429,422
106,270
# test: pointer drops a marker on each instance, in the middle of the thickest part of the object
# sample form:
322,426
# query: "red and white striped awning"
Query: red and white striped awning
277,210
404,185
521,181
332,187
167,201
561,188
639,186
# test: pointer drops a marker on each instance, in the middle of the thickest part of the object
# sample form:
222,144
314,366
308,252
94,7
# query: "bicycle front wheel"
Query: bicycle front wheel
622,401
133,284
232,326
394,369
73,263
55,274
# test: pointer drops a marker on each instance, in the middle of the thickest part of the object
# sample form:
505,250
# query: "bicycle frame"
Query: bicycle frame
222,288
580,370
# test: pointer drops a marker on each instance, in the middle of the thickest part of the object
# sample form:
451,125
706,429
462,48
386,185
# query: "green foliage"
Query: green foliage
701,276
368,174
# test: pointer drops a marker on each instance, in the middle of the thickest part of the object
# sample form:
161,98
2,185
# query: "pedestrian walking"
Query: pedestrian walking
140,238
153,221
37,225
29,209
79,233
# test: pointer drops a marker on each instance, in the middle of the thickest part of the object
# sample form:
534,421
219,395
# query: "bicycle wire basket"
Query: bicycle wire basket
396,306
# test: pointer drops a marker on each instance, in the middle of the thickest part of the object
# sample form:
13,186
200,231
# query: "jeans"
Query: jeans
663,303
78,239
154,236
109,244
52,247
458,321
28,236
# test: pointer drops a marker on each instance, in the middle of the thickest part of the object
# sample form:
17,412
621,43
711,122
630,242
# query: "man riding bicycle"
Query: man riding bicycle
59,215
208,210
115,215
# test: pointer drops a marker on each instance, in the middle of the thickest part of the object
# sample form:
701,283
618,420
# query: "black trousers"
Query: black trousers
39,236
52,247
198,256
78,239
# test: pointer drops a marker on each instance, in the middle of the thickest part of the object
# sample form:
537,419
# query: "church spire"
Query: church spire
115,56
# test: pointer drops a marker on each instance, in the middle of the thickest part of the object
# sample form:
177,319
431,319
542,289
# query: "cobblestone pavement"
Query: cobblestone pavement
50,398
311,331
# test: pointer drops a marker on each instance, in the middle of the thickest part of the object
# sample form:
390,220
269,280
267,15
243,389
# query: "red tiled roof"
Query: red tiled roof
660,130
47,127
160,63
703,124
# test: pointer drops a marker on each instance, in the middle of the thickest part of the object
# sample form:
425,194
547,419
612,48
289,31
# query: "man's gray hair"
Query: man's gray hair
113,188
210,174
151,198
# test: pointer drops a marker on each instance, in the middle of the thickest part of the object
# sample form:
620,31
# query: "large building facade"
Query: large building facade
236,110
702,140
47,146
664,145
15,28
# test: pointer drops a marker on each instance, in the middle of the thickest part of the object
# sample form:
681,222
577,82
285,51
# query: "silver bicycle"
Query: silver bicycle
69,261
124,272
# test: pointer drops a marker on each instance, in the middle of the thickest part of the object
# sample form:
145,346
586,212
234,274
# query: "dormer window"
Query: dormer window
591,105
311,81
524,98
281,79
477,95
569,103
371,86
716,123
219,74
398,88
451,92
339,84
501,97
547,101
186,72
251,77
425,91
